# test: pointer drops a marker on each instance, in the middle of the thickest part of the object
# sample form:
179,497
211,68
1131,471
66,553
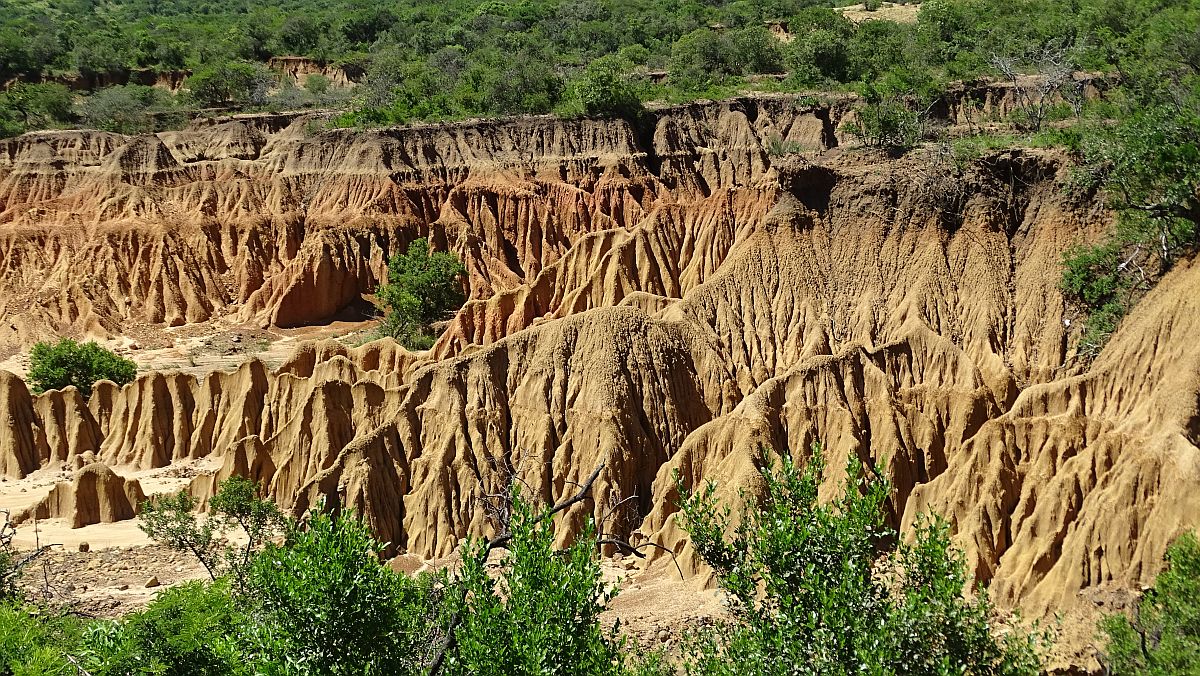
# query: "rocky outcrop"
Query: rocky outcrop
95,495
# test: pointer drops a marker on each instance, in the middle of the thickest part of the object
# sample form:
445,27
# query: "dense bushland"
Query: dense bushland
464,58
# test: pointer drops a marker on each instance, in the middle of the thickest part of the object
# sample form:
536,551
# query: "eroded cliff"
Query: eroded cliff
672,297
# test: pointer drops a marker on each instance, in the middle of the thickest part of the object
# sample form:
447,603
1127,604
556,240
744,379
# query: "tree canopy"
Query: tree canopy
53,366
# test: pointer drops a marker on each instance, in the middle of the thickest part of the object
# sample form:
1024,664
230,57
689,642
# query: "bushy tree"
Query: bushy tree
231,82
699,59
888,121
422,286
26,107
829,588
324,603
543,615
53,366
1163,637
238,504
123,109
606,88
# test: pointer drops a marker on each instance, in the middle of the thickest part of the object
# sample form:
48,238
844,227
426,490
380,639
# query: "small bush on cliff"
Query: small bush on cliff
606,88
53,366
1164,635
422,286
841,595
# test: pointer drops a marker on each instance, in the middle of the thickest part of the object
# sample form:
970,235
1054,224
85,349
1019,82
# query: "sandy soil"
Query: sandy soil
212,346
888,12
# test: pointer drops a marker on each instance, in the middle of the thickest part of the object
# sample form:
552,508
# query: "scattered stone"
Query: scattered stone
85,547
663,635
152,582
122,587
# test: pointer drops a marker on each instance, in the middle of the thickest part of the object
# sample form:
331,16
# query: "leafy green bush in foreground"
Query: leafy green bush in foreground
822,589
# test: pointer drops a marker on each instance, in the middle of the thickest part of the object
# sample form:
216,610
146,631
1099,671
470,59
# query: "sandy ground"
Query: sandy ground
888,12
212,346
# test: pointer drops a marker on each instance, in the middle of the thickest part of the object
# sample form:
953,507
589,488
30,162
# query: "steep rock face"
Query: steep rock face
646,300
281,226
95,495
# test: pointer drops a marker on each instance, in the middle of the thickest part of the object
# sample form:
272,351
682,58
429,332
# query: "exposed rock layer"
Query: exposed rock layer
95,495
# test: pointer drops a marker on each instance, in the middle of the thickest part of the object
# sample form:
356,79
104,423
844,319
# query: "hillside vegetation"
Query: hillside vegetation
430,61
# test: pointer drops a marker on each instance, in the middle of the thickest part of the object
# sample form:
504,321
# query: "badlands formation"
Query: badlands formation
670,296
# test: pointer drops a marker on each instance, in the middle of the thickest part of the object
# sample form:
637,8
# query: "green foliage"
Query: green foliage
1149,165
230,82
888,122
169,520
316,84
422,286
324,603
706,57
606,88
25,107
53,366
825,588
188,629
542,616
462,58
36,641
124,109
172,520
1164,636
1093,279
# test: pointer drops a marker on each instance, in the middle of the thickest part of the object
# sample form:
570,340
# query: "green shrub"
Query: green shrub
324,603
36,641
542,615
422,286
188,629
125,110
316,84
888,122
1163,638
1094,280
230,82
26,107
172,520
605,88
53,366
824,588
